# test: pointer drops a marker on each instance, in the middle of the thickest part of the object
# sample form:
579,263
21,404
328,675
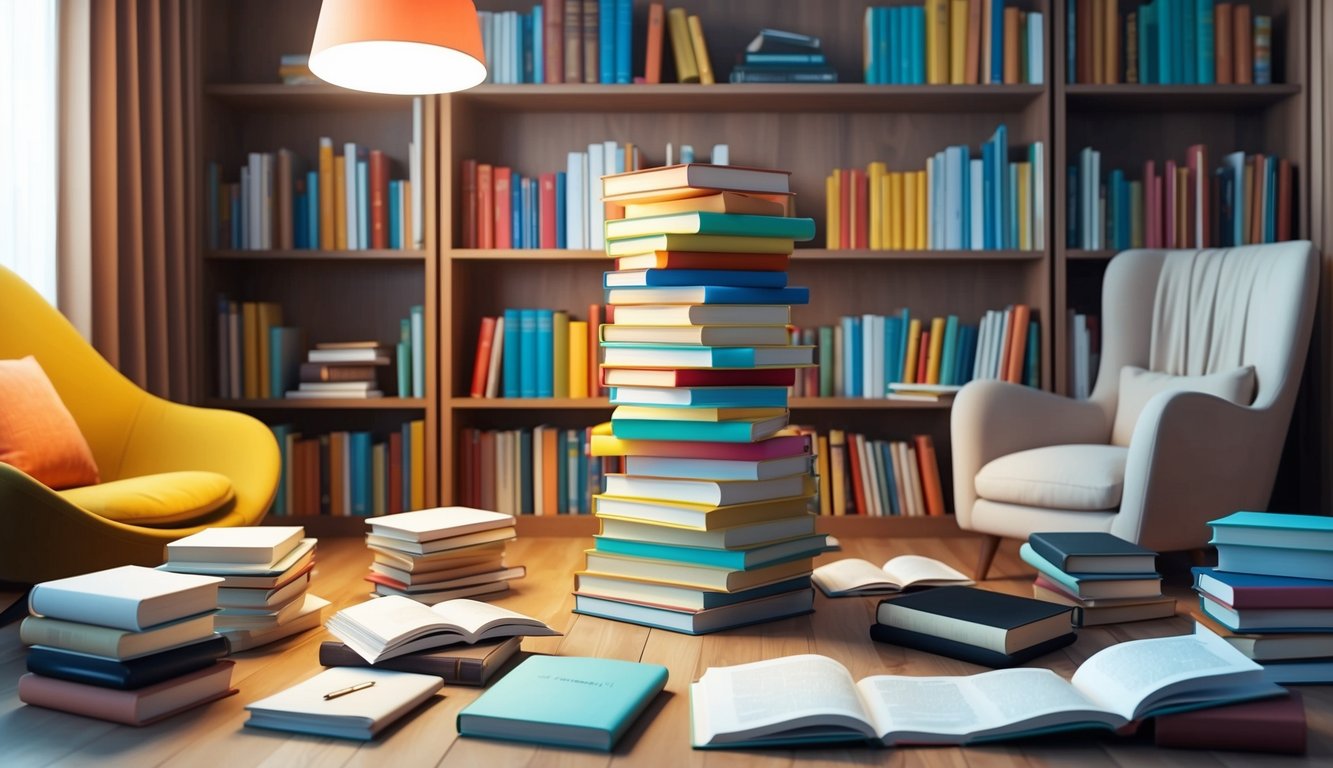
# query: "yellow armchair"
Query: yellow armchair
45,534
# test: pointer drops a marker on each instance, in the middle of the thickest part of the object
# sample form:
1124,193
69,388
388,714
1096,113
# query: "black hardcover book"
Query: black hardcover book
882,633
1003,624
130,674
1093,552
455,664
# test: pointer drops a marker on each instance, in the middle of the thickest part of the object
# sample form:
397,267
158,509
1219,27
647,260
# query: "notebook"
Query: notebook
338,702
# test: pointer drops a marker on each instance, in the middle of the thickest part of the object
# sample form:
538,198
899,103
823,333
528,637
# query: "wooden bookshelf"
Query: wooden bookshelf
372,254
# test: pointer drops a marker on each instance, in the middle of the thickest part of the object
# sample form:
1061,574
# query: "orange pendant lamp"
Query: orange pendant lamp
399,46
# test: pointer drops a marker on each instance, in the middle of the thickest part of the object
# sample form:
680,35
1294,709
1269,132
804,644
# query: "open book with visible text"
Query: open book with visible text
394,625
861,577
809,698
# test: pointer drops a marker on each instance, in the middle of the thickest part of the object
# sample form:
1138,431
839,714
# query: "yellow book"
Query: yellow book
578,358
339,203
654,413
896,222
909,211
700,50
876,171
250,348
922,211
709,243
560,354
678,27
937,42
1025,206
269,315
822,470
832,210
326,194
958,42
378,460
417,438
837,445
719,202
933,354
913,341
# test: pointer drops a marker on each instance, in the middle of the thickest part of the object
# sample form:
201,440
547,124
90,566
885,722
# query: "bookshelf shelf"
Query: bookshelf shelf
801,254
1078,254
527,254
275,96
865,404
329,404
726,97
314,255
529,403
1093,98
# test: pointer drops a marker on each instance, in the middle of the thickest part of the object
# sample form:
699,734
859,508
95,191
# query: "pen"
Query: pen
348,689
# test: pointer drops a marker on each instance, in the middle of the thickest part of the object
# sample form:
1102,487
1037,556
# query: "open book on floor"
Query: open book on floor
854,577
810,699
392,626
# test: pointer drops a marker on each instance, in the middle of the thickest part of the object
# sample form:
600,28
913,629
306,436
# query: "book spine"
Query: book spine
652,67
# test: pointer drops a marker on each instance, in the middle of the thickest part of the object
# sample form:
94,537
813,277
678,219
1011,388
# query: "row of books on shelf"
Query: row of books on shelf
1167,42
536,353
877,478
953,42
1085,353
259,357
1249,198
345,200
350,473
956,202
541,470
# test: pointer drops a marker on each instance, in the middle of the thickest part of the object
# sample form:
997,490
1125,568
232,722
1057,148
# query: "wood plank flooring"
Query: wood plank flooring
214,735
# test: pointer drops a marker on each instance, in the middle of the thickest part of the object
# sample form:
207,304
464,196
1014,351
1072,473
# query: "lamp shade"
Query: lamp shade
399,46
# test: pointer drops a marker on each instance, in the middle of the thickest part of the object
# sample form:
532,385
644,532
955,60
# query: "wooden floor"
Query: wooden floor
214,735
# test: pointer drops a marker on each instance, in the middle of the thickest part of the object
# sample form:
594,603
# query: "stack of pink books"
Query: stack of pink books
131,645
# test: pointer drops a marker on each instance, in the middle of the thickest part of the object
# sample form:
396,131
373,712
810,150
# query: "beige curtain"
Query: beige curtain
127,112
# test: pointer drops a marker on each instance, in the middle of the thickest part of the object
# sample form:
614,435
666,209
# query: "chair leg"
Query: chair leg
989,545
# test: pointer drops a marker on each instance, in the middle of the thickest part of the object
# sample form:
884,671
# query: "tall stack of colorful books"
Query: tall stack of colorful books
264,574
1106,579
131,645
1270,595
708,526
433,555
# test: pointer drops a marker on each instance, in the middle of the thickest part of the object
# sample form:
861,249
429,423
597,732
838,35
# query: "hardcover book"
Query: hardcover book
674,597
129,597
138,707
698,517
1271,529
975,654
456,665
752,557
699,622
247,545
344,702
1272,646
738,537
1248,590
1275,725
437,523
1095,585
1093,552
693,180
128,674
998,622
565,701
246,574
706,223
112,643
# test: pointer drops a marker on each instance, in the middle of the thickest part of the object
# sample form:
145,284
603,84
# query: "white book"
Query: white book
717,469
127,597
1036,55
438,523
269,571
440,545
337,386
497,355
456,581
418,238
854,576
1039,191
455,569
443,595
705,357
393,626
596,213
703,314
711,492
271,599
976,206
736,537
350,178
307,394
112,643
576,197
266,224
253,545
417,332
374,699
800,699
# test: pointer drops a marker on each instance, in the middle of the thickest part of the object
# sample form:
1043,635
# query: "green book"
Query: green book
568,701
708,223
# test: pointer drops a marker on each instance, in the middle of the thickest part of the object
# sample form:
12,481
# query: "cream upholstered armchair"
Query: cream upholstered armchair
1202,353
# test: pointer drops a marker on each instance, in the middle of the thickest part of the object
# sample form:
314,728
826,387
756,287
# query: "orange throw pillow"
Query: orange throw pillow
37,433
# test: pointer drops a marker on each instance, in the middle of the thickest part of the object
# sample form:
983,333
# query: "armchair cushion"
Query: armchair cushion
37,432
1072,477
169,498
1137,386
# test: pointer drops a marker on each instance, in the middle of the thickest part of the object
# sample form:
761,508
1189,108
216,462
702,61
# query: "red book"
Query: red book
922,353
1152,216
379,197
395,473
1169,210
469,187
546,209
482,364
931,487
1018,339
485,206
845,209
1222,59
1284,192
553,42
595,321
752,262
697,377
1267,725
652,63
503,208
1242,45
861,194
854,449
1255,198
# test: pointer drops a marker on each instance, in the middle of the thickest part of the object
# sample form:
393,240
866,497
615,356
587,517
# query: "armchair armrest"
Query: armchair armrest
992,419
1195,457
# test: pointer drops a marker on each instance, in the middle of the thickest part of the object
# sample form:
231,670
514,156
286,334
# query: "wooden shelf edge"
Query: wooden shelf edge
801,254
317,255
1091,97
601,403
302,96
1079,254
330,404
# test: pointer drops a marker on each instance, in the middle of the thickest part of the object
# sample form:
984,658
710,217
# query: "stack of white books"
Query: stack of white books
265,573
441,554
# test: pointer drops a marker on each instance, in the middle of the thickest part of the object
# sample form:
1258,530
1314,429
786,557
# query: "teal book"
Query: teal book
1272,529
747,431
527,353
1094,585
545,351
708,223
286,349
360,450
701,397
707,294
404,357
736,559
417,315
627,355
742,278
569,701
949,353
510,354
1187,55
1206,43
279,506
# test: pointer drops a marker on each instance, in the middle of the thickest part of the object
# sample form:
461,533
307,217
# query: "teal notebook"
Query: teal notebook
708,223
568,701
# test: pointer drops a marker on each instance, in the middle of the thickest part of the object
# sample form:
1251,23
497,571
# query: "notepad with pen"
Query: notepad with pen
346,702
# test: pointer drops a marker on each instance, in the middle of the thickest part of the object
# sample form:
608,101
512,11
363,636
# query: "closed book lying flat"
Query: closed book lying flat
721,202
716,469
1299,672
700,335
697,377
703,314
1275,725
669,356
794,603
1264,620
126,675
663,277
1001,623
485,577
456,665
440,545
565,700
409,578
737,537
1275,561
753,557
698,517
298,562
1275,646
679,598
254,572
309,617
1098,615
139,707
393,626
112,643
229,597
358,714
437,561
701,397
707,294
696,178
129,597
604,443
709,223
1271,529
714,492
766,262
943,646
251,545
696,576
1093,552
1095,585
636,246
1247,590
703,413
433,597
437,523
741,431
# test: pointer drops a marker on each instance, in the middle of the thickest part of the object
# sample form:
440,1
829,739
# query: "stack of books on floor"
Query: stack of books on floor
1106,579
131,645
708,527
433,555
342,370
264,574
1270,595
987,628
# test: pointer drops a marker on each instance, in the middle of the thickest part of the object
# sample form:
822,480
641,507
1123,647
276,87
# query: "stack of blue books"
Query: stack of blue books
1271,594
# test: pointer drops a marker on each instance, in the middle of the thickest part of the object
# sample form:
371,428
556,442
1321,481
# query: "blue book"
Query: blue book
902,44
624,68
312,209
525,505
279,508
545,348
561,472
890,482
1073,230
510,354
999,142
1123,212
527,353
886,39
1166,31
1148,70
708,294
1206,42
524,45
851,347
560,236
1036,54
1270,205
211,224
286,349
967,354
359,449
917,40
1093,552
1187,52
606,41
1272,529
395,215
746,431
538,52
1071,40
363,201
904,332
516,211
949,352
893,352
955,158
997,42
1303,562
126,674
735,559
565,701
676,277
870,28
701,397
533,202
237,219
